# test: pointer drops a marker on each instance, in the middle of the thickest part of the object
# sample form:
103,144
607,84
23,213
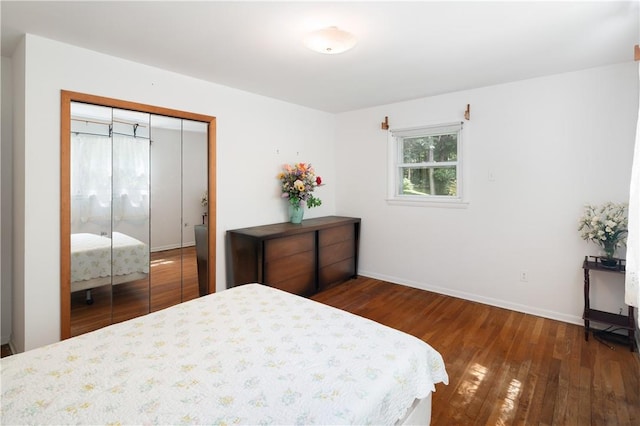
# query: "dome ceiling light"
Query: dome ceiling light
330,41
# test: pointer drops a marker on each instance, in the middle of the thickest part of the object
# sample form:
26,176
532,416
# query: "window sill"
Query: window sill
415,202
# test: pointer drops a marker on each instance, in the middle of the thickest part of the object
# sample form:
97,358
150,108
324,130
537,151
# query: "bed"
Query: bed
98,260
248,355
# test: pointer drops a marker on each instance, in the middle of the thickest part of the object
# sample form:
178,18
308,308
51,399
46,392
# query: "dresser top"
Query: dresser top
287,228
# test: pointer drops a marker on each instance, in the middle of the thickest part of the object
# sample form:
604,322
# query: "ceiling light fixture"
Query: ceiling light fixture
330,41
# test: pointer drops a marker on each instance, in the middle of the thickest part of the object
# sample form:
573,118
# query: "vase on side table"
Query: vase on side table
607,260
296,213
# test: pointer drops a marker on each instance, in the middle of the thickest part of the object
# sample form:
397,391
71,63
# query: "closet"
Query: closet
137,186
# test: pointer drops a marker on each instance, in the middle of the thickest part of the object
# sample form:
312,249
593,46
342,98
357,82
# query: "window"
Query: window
425,164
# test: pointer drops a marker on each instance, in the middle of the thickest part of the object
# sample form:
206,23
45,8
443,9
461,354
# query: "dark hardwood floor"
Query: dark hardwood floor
505,367
6,350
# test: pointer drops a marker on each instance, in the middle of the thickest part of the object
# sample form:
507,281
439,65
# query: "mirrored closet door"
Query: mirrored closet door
179,205
135,211
109,232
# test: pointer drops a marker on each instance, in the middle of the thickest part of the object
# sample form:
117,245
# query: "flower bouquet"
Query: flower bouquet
298,181
605,225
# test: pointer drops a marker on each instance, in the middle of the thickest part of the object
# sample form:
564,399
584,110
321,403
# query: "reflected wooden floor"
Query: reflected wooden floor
129,300
505,367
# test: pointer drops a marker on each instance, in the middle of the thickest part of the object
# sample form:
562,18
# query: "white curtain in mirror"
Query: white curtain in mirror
130,179
95,170
90,183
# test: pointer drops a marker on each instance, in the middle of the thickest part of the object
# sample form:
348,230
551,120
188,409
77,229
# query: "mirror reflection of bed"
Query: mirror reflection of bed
173,275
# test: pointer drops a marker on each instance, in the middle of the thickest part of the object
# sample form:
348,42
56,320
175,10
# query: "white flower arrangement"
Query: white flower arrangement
605,225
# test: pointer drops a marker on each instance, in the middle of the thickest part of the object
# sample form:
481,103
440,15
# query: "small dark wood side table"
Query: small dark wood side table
594,263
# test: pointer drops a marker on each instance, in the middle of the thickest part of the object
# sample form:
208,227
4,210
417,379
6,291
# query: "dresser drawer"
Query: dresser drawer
336,273
287,246
335,235
336,252
302,285
284,268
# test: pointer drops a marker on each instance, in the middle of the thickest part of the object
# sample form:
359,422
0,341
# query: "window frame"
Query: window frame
396,166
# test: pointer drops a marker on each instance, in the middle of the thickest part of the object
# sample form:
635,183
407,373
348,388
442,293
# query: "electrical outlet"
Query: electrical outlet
524,276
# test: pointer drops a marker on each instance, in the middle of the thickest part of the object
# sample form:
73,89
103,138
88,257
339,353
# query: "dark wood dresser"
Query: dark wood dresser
299,258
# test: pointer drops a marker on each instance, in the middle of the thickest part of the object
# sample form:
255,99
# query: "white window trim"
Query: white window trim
393,151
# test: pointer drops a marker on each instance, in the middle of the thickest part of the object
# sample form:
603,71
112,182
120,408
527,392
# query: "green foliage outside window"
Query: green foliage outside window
426,171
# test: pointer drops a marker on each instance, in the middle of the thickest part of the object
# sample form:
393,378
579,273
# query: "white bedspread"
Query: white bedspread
248,355
91,256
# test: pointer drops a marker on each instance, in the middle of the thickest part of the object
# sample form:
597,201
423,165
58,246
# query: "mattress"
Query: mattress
94,256
248,355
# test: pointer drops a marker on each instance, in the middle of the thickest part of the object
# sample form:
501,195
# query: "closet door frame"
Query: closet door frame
66,97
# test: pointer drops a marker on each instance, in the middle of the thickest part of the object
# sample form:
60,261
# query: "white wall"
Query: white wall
255,135
19,312
194,183
182,158
166,227
6,170
552,144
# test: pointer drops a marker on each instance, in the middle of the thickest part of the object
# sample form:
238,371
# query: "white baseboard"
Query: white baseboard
558,316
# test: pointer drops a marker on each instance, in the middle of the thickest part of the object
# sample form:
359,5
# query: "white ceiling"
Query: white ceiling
406,50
